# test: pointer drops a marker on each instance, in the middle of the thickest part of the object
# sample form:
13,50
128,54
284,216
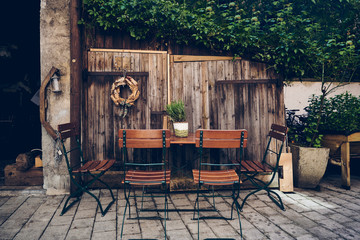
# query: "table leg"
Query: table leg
345,165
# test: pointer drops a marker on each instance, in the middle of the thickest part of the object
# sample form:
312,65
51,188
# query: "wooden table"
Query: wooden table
190,139
335,142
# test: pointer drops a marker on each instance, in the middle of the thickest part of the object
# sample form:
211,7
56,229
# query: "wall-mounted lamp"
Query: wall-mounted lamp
55,83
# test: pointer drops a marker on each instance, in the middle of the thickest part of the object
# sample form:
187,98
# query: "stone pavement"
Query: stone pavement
331,213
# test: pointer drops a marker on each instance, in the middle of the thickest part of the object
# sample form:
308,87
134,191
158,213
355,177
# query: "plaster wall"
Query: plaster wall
297,94
55,51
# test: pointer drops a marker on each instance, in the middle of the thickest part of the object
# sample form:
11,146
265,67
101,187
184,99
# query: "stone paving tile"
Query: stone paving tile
109,235
55,232
33,231
82,223
3,200
80,233
179,234
104,226
331,213
307,237
323,233
254,233
294,230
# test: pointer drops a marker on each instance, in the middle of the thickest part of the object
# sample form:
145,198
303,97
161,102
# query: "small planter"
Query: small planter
309,165
181,129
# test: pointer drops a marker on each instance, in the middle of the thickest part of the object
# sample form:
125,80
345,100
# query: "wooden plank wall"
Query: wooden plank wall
231,104
101,118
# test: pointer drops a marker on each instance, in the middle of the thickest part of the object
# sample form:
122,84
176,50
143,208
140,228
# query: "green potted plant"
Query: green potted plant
176,112
310,159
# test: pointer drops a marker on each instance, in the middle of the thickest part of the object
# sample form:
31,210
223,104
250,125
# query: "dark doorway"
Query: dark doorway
19,79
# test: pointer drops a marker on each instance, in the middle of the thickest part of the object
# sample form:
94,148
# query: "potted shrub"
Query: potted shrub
310,159
176,111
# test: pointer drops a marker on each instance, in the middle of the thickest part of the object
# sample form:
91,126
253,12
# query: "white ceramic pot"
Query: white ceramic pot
181,129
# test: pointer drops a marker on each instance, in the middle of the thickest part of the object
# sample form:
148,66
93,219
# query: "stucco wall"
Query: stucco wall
297,94
55,51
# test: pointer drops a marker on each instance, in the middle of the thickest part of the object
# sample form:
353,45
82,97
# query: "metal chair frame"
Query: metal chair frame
147,179
252,169
221,140
94,169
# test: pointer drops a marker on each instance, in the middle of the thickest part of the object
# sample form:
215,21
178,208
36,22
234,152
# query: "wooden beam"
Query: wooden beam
117,73
125,50
248,81
194,58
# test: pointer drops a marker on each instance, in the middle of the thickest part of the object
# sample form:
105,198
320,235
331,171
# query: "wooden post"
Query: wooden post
345,165
75,75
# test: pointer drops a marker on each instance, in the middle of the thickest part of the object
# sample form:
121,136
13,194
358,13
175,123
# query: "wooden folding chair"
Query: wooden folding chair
78,174
252,169
225,176
146,173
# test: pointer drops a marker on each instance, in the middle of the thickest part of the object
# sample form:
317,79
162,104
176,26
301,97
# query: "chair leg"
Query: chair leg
97,178
265,187
165,210
124,216
237,208
65,208
247,196
142,198
238,212
126,196
278,202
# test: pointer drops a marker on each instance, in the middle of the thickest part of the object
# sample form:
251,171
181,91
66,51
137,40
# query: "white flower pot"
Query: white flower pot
181,129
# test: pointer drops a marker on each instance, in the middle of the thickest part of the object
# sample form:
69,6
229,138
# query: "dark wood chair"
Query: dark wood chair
253,169
145,173
226,176
79,174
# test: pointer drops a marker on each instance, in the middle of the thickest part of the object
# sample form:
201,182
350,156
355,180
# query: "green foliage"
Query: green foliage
340,114
302,130
176,111
297,38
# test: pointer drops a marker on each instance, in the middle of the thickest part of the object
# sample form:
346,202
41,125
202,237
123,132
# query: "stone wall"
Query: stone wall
55,51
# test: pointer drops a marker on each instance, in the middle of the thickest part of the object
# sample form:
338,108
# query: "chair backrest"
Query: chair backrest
278,134
69,130
149,138
145,138
221,139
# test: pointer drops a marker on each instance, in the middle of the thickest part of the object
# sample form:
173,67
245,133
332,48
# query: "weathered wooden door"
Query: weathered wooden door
219,93
101,118
226,93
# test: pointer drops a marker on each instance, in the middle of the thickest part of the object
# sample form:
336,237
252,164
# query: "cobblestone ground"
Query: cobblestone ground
331,213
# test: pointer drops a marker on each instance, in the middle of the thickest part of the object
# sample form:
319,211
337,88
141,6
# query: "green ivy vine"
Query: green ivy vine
296,38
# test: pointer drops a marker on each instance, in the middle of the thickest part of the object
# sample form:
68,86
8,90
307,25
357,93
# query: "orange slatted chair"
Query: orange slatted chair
145,174
252,169
78,174
226,176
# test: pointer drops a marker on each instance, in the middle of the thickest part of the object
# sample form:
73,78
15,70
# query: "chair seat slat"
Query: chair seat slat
216,177
138,177
254,166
